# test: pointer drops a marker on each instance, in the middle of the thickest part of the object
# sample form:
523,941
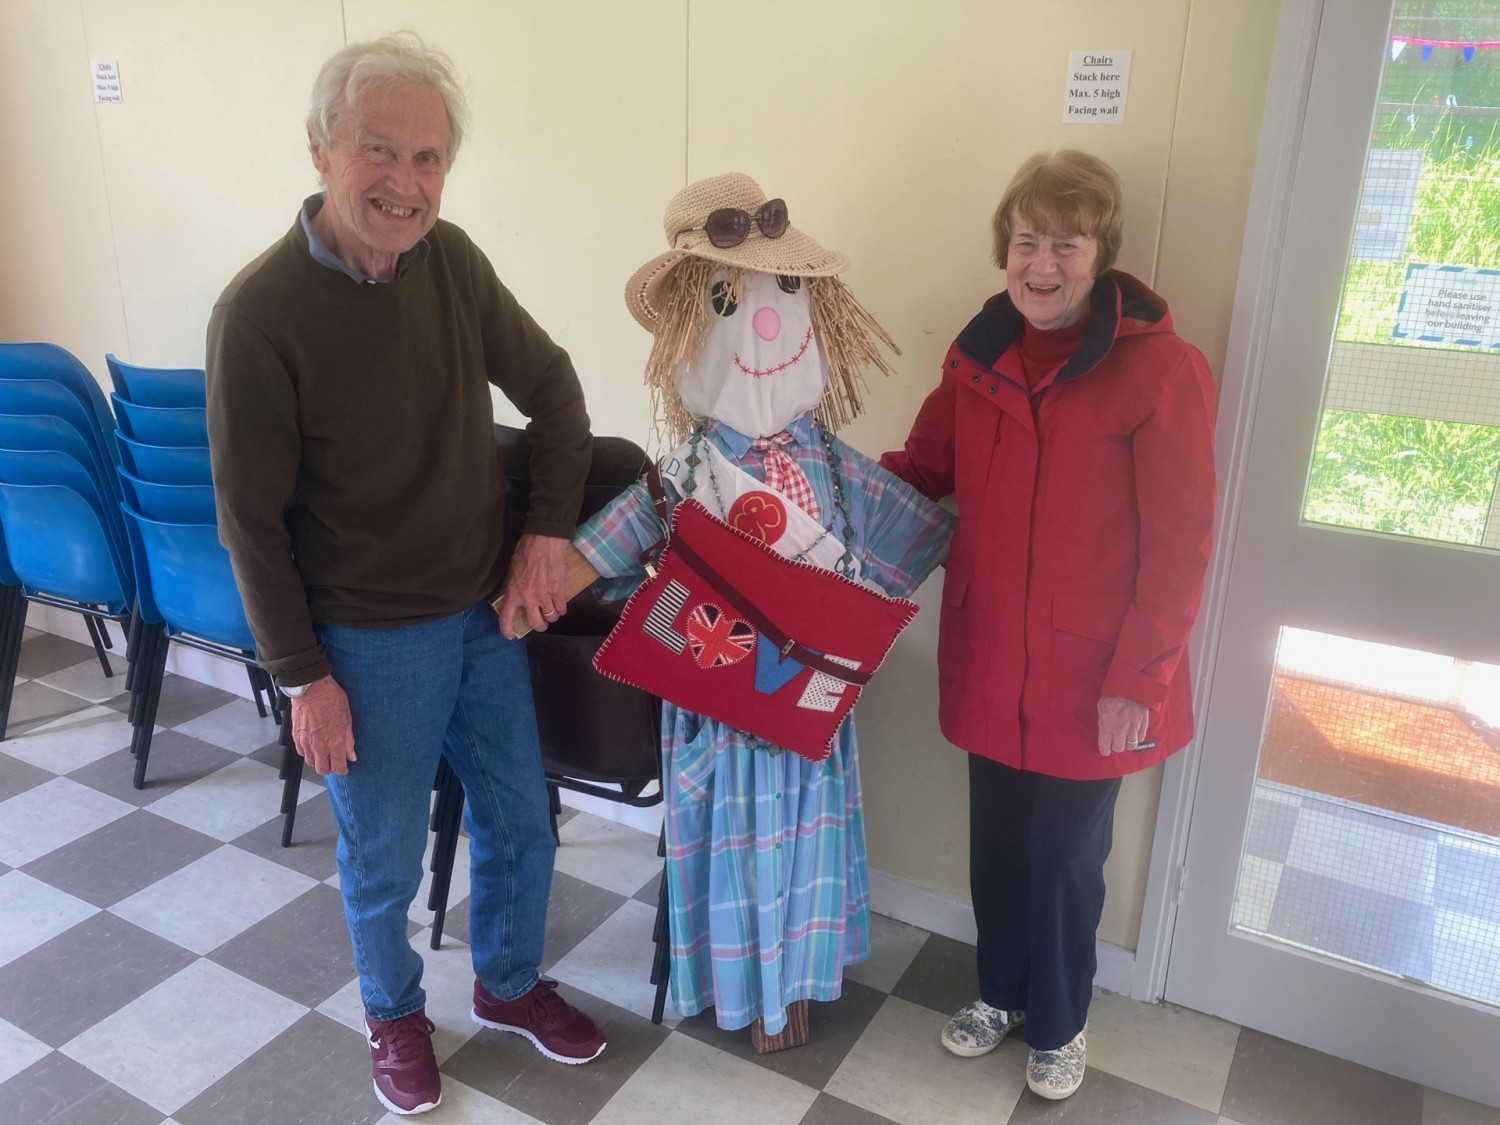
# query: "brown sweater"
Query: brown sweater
353,444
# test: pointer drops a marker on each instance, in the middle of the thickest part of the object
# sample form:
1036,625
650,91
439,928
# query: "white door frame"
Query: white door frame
1316,125
1265,230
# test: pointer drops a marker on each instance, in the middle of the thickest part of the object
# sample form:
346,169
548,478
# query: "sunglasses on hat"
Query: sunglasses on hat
729,226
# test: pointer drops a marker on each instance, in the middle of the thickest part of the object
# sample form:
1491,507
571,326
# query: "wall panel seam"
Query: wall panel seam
1166,187
109,207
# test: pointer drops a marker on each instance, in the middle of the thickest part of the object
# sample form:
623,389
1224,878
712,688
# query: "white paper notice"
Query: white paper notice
1449,305
1097,83
106,80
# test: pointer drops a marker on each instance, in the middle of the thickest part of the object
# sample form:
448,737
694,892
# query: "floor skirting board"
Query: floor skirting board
952,916
191,663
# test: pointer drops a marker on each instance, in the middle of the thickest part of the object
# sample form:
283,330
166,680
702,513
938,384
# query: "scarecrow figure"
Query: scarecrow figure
756,360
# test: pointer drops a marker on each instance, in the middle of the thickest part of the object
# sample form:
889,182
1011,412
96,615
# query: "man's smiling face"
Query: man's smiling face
384,175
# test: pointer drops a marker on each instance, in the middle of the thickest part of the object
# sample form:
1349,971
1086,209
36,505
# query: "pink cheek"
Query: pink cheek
766,323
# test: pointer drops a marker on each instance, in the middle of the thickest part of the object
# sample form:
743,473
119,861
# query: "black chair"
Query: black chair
598,736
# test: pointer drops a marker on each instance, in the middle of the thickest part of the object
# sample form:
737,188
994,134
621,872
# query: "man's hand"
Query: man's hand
1122,724
322,728
535,583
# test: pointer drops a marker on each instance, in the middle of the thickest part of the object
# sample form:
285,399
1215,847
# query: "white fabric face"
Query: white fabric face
762,366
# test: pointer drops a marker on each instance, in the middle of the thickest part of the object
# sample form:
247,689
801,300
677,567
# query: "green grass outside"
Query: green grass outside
1413,476
1405,476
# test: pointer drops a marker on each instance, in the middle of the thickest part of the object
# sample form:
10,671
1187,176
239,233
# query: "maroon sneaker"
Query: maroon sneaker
557,1029
406,1070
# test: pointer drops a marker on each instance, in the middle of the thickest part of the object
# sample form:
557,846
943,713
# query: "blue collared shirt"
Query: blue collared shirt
737,443
326,257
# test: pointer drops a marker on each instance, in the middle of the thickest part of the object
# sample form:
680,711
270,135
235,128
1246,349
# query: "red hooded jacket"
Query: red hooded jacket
1085,521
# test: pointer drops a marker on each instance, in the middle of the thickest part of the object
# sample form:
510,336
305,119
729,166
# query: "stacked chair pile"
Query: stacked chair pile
64,535
186,592
115,524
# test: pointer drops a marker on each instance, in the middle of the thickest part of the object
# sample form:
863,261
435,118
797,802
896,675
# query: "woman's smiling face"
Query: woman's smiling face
1049,276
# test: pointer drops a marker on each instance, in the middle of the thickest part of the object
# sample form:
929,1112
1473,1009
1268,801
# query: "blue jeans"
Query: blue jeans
454,687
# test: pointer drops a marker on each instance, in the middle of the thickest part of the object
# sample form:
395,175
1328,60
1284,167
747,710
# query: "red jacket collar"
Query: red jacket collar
1123,306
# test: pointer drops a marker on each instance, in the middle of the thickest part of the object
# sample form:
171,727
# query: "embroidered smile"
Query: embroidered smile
806,340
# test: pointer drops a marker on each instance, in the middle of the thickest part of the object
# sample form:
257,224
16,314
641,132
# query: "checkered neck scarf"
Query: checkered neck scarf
785,475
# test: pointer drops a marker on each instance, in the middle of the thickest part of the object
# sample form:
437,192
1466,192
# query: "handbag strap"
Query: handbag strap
787,644
659,502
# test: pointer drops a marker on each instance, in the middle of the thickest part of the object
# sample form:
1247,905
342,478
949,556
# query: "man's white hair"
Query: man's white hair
401,57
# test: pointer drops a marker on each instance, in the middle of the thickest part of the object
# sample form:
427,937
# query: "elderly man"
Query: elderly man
360,497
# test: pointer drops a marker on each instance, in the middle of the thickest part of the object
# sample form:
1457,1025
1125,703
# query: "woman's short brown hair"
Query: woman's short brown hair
1064,192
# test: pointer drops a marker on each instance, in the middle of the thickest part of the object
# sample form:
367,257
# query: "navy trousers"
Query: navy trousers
1037,846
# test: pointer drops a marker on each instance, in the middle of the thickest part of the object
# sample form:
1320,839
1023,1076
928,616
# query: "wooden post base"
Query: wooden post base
794,1034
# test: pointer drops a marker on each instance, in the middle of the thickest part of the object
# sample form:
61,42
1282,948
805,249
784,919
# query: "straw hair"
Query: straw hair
849,335
1064,192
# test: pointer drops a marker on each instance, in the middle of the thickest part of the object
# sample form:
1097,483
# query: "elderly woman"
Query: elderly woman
1075,429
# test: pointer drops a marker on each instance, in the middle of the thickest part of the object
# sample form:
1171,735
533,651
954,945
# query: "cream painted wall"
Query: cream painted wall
890,126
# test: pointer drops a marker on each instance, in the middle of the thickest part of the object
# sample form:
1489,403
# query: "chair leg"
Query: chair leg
444,853
150,697
291,782
277,702
12,633
443,786
554,810
101,642
661,960
260,704
152,636
132,646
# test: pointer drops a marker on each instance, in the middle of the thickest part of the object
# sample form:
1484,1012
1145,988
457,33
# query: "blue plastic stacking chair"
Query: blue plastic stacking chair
48,361
187,594
165,464
50,466
170,503
157,386
48,433
161,425
12,628
60,550
39,397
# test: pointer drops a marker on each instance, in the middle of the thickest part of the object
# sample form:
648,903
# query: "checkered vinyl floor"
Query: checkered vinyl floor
164,962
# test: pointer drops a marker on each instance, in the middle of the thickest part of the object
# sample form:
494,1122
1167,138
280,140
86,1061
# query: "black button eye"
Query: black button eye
723,299
788,284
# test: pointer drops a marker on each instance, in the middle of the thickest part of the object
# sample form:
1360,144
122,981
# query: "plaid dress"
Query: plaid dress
766,881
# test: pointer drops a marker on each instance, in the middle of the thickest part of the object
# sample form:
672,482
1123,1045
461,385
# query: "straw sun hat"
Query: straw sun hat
666,298
794,254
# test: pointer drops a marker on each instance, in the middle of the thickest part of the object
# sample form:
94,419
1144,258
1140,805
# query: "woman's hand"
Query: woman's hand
1122,724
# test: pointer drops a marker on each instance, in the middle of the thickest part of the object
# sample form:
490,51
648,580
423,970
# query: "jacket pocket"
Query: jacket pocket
1095,616
955,588
1085,628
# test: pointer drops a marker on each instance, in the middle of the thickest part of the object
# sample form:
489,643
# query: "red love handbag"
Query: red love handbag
730,629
